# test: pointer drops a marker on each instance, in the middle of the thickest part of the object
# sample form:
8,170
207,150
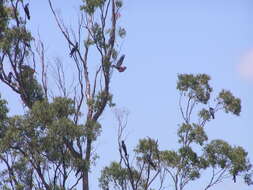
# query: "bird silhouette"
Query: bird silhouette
27,44
234,178
119,66
148,157
124,147
74,49
120,61
27,12
211,110
9,77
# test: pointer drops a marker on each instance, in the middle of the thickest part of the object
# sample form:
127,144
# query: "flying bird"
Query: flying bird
119,66
27,12
73,50
211,110
120,61
124,147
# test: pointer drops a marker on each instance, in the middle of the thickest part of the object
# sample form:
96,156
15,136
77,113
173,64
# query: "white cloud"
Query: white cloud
245,68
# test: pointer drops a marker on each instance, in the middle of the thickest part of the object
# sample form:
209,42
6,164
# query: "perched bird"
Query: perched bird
27,12
234,178
27,44
9,77
211,110
124,147
151,163
119,66
74,49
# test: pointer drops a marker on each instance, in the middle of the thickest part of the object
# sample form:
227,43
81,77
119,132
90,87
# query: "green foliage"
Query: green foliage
196,87
55,118
98,35
170,158
204,114
90,6
197,135
3,19
248,178
147,147
92,129
188,154
220,154
56,187
114,54
229,102
239,160
118,3
113,174
3,110
31,90
47,144
41,134
117,177
99,100
184,129
63,107
217,153
195,154
48,139
12,37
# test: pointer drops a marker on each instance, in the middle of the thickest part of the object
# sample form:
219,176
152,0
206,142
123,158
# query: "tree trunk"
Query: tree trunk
87,162
86,180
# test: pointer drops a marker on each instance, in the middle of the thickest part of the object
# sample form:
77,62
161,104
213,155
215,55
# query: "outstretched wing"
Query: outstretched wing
120,61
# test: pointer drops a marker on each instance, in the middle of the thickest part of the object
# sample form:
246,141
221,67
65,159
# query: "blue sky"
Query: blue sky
165,38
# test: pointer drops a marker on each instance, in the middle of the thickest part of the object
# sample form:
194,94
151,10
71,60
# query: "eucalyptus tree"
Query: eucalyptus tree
50,146
153,168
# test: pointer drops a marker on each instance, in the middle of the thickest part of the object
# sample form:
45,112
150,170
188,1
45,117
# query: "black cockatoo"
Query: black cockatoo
120,61
119,66
9,77
74,49
27,44
151,163
27,12
124,147
211,110
234,178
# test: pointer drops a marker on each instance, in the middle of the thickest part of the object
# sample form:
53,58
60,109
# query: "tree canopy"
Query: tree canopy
50,145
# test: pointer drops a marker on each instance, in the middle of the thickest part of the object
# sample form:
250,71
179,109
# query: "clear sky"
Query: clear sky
165,38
